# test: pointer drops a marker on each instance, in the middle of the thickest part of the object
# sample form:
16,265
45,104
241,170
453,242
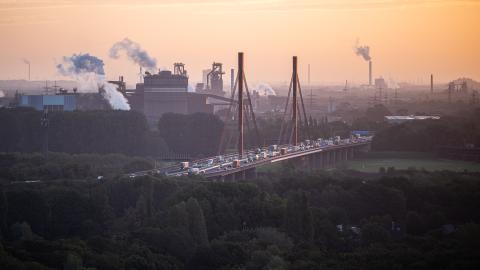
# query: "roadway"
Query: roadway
229,164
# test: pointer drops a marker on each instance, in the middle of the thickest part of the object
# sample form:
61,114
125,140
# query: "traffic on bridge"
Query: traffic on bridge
229,164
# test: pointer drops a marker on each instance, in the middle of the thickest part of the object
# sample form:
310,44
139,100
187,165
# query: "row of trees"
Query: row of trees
195,134
280,221
79,132
61,166
104,132
200,134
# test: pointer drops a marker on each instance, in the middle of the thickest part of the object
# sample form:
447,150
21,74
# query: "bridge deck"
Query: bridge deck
287,156
218,171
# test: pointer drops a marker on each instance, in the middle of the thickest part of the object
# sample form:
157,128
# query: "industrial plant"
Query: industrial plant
212,81
167,92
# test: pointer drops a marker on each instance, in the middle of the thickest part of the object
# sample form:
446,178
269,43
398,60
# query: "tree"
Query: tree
337,215
141,209
374,233
436,220
69,208
29,206
469,236
415,223
3,213
195,134
73,262
178,218
298,216
22,231
377,113
197,226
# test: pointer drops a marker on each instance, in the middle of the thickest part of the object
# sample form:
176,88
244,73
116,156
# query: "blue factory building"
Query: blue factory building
50,102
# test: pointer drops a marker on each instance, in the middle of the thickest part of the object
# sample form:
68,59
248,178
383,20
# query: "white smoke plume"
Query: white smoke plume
264,89
134,53
2,94
392,84
88,71
363,51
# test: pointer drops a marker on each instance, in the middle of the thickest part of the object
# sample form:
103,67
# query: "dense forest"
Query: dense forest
289,220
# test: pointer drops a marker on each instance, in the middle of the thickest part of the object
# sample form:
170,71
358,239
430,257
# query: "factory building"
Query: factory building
167,92
380,83
212,81
64,101
399,119
50,102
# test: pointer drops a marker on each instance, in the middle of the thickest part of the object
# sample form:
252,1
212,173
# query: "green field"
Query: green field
373,161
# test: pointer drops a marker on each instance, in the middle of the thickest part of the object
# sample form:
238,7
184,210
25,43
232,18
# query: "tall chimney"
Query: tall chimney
232,79
370,72
431,83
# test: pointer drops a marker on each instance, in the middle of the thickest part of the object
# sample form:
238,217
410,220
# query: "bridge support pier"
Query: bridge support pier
350,153
250,174
320,160
239,176
313,164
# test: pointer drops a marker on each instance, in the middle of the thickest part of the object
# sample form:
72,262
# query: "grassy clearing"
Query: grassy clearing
373,161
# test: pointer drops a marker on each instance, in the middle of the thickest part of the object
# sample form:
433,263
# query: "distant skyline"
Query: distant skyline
408,39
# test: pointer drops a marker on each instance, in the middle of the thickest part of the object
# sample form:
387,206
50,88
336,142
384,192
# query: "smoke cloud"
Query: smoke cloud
392,84
363,51
2,94
264,89
78,64
88,71
134,53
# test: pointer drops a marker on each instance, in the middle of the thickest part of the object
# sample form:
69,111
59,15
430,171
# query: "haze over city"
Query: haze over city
408,39
239,134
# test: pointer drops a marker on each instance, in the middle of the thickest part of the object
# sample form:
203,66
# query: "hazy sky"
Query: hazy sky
409,39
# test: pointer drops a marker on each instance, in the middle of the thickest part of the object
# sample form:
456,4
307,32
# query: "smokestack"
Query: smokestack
27,63
232,79
431,83
370,72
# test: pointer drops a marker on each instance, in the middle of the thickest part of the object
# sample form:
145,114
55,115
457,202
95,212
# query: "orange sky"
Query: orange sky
409,39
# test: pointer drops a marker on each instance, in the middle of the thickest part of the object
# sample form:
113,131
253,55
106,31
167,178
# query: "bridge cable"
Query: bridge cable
307,127
223,142
280,136
257,133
